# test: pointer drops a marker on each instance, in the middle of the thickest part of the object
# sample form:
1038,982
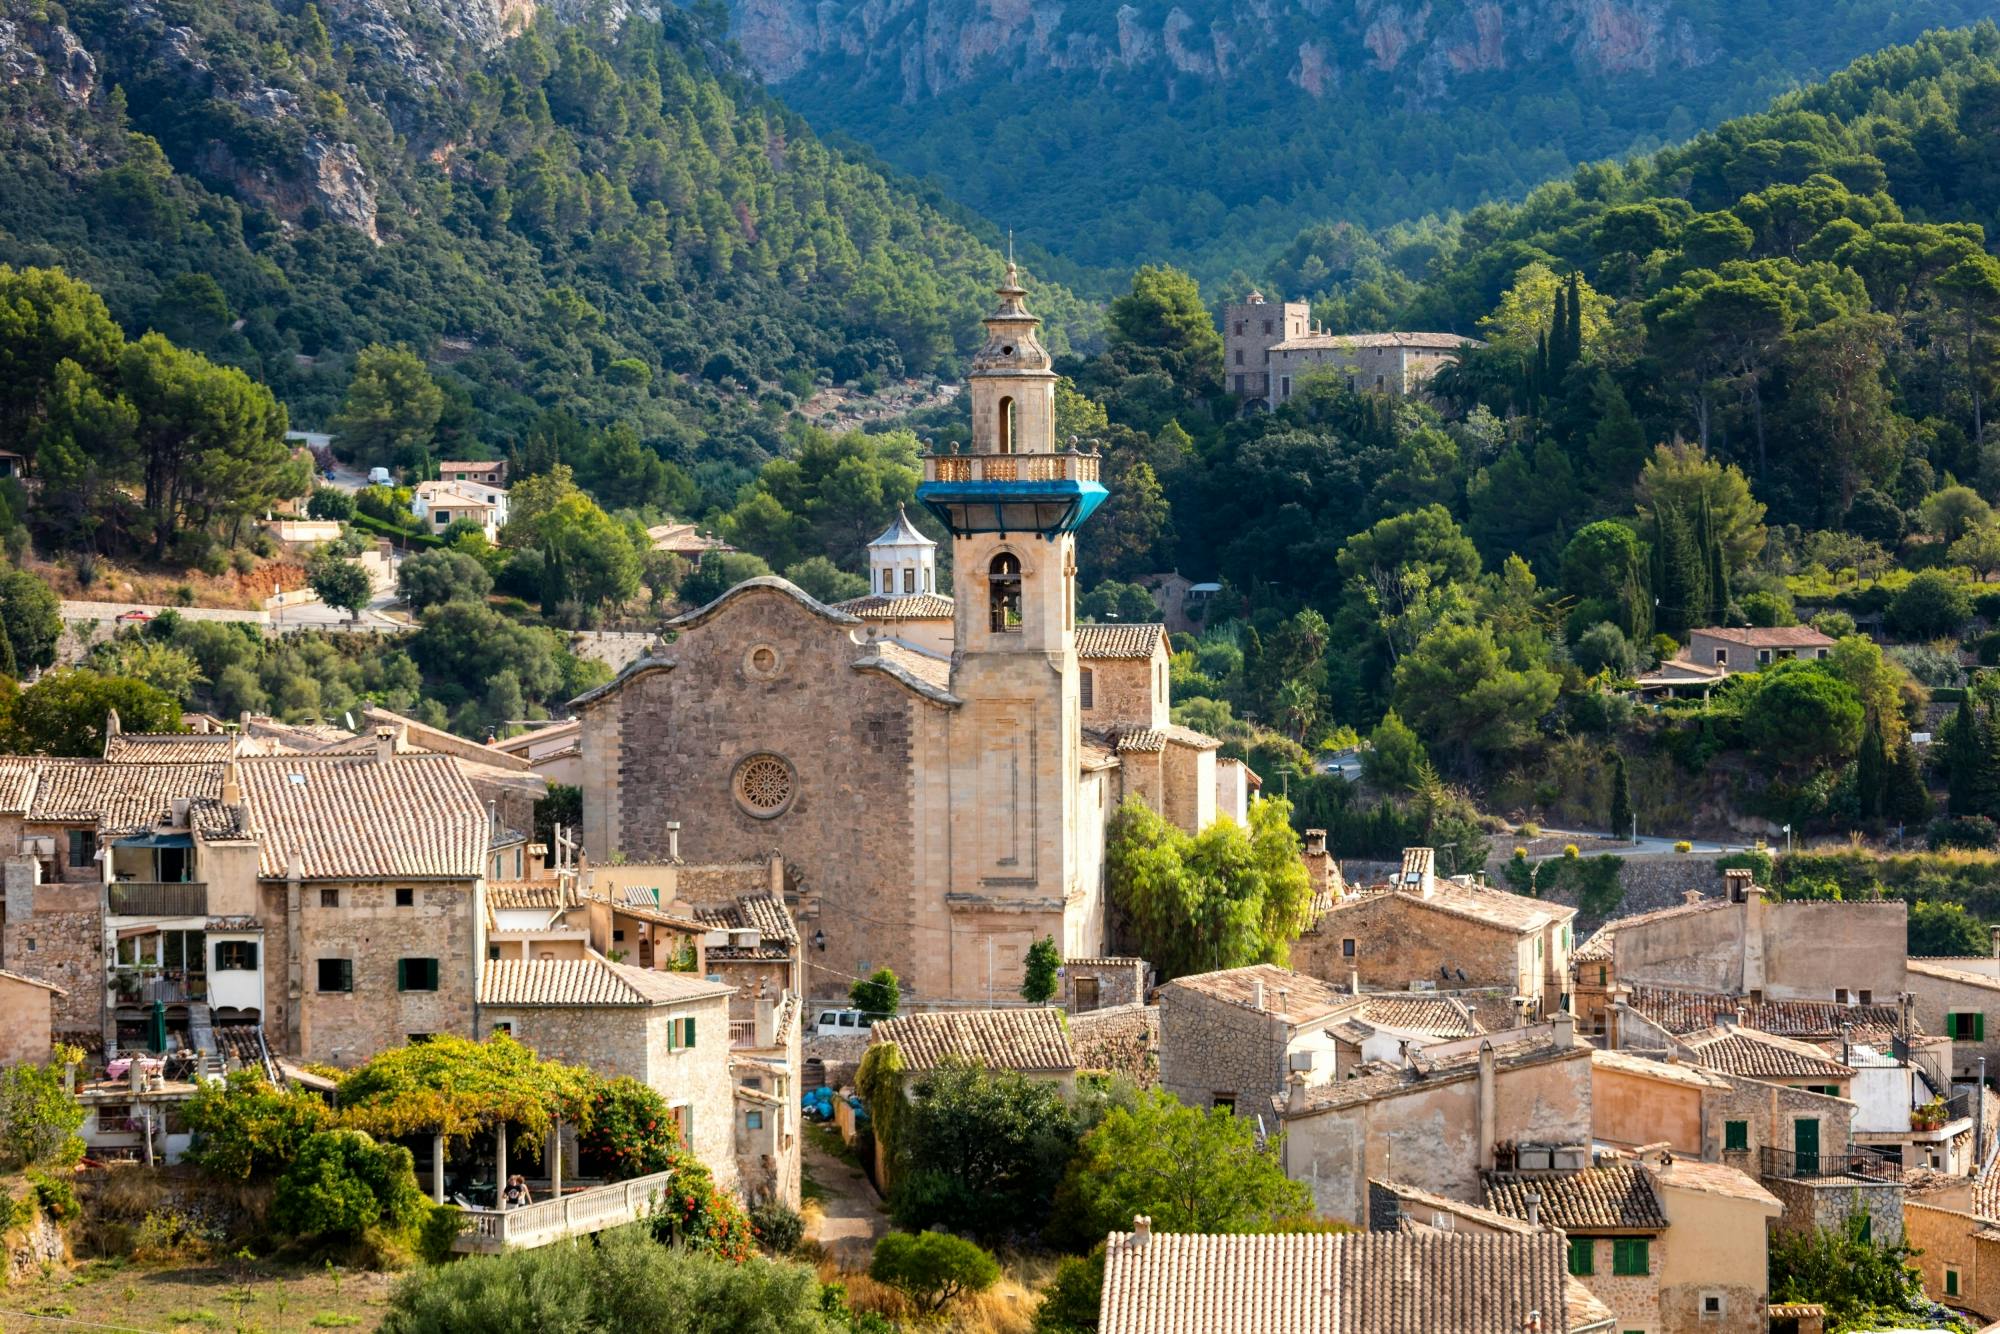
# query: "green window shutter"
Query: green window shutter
1581,1256
1979,1026
1951,1283
1628,1257
402,974
1736,1135
250,955
690,1033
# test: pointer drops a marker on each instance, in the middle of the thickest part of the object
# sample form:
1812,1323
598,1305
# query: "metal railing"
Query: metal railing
1788,1165
491,1230
159,898
742,1032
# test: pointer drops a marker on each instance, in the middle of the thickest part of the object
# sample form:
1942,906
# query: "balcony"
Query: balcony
155,898
1044,494
1067,467
1829,1168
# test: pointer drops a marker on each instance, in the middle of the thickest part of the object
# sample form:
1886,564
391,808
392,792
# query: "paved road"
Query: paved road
851,1218
304,616
1647,846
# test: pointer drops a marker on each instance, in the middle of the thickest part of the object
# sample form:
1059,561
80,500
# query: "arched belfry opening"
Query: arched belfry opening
1003,592
1003,427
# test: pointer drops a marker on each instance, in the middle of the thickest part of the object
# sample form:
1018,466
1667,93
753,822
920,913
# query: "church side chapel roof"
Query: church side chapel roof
1442,341
1119,640
1136,736
898,607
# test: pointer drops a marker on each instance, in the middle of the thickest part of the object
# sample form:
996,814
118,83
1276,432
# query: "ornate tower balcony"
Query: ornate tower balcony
1044,494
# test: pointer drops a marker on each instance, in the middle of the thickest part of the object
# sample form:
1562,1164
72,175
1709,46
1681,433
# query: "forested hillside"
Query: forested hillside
612,227
1206,132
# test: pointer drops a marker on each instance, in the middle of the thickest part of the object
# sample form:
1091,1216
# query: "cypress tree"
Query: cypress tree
1683,583
1575,318
1905,799
1717,567
1985,787
1558,341
1870,772
1961,758
1621,798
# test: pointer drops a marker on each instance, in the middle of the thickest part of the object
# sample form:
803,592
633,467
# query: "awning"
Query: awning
155,841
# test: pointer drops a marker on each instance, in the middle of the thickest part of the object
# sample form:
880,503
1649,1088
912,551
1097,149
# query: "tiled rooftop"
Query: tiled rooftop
1291,996
1031,1040
898,607
1754,1055
1424,1073
1776,636
1439,1016
170,747
1711,1178
1673,1072
1410,1282
1945,970
362,818
1137,640
128,798
589,982
760,912
1679,1012
1617,1197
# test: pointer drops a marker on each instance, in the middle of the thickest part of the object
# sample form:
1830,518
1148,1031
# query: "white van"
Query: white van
379,476
844,1023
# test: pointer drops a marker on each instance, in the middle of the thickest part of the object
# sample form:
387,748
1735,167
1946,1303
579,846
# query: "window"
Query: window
336,974
1840,995
909,581
1347,947
185,949
406,898
1284,386
82,846
1003,426
443,517
1722,657
1865,997
680,1033
235,956
1630,1257
1239,379
1224,1101
1582,1256
1267,326
1086,688
1763,655
1603,975
416,974
888,581
1736,1135
1951,1283
1711,1303
683,1115
1966,1027
1239,356
493,953
753,1120
504,1026
1239,328
1086,994
1830,1090
329,898
1003,592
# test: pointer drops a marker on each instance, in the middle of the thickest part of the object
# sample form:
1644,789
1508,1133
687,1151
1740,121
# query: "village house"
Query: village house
1411,1281
1954,1229
1103,982
1636,1100
1749,648
1392,1024
1953,998
552,750
1451,1112
939,807
1429,931
441,504
685,541
1233,1038
1269,347
486,472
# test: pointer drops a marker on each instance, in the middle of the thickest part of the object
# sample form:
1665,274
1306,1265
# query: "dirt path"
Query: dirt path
851,1219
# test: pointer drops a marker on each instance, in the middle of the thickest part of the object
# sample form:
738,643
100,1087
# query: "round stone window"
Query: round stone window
765,785
762,663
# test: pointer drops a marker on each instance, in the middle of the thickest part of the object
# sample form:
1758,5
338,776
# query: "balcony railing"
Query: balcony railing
742,1032
1787,1165
1068,467
155,898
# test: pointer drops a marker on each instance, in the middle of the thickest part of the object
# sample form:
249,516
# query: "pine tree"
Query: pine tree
1621,798
1985,793
1870,772
1575,318
1961,758
1905,799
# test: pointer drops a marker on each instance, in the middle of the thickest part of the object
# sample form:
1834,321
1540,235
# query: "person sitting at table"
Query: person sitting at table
517,1193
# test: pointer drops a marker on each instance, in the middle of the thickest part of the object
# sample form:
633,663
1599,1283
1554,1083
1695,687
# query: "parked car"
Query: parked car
379,476
844,1023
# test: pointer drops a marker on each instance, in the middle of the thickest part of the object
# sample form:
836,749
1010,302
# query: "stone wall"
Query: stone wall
1398,942
1124,1040
55,932
1121,690
1119,981
1770,1111
1633,1298
1809,1206
1946,1239
1937,997
1212,1049
700,1079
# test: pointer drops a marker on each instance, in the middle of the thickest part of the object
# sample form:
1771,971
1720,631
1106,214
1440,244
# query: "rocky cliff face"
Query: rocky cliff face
931,47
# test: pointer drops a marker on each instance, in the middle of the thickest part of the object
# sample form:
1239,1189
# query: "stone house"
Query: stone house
669,1031
1749,648
487,472
1233,1038
1442,1120
27,1017
1122,674
1425,930
1343,1283
1103,983
552,751
1614,1226
1119,1040
1637,1101
1392,1024
1960,999
1268,347
1031,1041
1731,1050
440,504
1956,1236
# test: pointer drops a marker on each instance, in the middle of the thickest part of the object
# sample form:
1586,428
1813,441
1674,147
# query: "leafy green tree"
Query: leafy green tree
932,1269
1931,606
1113,601
343,1183
1459,689
341,584
1188,1169
391,412
1963,761
1394,755
1945,930
1605,567
1799,715
31,620
1604,648
879,993
246,1129
1952,512
1218,899
1164,317
328,502
1523,312
1905,798
164,667
979,1151
826,582
1038,978
1862,1284
720,572
64,713
1685,478
1978,551
430,577
39,1116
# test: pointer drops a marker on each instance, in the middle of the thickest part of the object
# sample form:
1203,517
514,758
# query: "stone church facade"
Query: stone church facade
928,768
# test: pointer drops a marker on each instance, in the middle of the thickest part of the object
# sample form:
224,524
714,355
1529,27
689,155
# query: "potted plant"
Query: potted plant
1930,1116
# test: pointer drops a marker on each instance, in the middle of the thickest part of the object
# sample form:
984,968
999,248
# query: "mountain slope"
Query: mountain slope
609,222
1208,132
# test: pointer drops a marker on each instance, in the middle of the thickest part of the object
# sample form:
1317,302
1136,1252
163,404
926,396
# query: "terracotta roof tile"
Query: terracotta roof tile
1711,1178
1943,971
1439,1016
362,818
1136,736
1381,1083
1020,1039
17,784
538,894
1615,1197
932,671
1413,1282
899,607
170,747
1754,1055
1679,1012
1777,636
1120,640
759,912
129,798
1497,907
1304,999
11,976
591,982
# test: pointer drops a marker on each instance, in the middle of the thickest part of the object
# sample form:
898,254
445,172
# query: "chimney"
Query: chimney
1142,1229
385,744
232,785
1354,981
767,1022
1489,1111
1737,882
1693,896
1295,1095
1284,1000
1315,842
111,727
674,841
1257,993
1533,1199
1419,874
1564,1025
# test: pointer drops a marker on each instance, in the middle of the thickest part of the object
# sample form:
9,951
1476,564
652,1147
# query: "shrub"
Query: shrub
1571,851
878,994
631,1132
1972,832
1682,845
696,1215
245,1128
778,1227
1932,606
344,1183
932,1269
38,1117
1528,829
1071,1302
55,1196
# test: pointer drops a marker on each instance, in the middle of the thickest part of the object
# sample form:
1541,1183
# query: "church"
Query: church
936,772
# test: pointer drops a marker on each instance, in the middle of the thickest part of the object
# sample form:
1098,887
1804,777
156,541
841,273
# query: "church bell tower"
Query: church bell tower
1013,504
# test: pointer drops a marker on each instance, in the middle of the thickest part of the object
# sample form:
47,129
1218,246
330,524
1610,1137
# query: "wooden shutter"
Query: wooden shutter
688,1040
402,974
1979,1026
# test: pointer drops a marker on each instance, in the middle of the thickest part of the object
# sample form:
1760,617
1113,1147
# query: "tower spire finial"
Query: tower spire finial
1013,274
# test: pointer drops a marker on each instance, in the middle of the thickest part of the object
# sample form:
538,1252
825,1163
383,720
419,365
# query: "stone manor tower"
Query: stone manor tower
1013,505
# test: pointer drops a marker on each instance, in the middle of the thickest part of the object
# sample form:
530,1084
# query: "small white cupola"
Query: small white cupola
902,561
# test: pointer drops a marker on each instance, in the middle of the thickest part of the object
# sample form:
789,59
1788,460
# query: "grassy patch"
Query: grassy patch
810,1190
828,1141
334,1320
